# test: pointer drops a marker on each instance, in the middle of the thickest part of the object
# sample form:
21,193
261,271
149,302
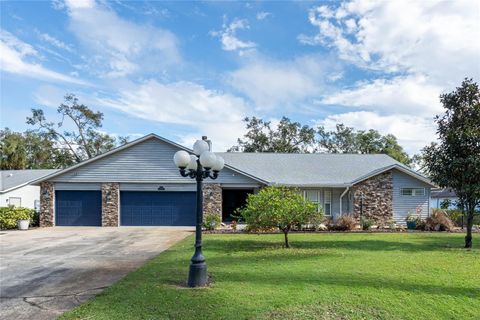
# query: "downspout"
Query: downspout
341,197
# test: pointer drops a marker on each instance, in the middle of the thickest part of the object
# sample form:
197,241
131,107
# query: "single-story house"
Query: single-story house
15,188
439,195
138,184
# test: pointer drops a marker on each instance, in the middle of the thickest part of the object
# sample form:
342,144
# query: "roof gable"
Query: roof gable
148,159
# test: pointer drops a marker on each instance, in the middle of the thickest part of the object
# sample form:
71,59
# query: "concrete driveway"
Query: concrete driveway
44,272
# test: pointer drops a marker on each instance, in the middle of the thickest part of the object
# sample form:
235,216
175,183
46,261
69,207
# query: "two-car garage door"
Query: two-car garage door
84,208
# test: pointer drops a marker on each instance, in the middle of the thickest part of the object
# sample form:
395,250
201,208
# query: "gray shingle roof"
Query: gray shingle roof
443,193
317,169
10,179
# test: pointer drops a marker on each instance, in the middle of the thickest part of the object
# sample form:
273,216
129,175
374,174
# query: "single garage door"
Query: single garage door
157,208
78,208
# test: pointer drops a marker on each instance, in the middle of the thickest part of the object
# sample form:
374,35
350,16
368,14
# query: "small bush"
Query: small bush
344,223
249,228
233,225
456,215
10,215
438,221
211,221
365,223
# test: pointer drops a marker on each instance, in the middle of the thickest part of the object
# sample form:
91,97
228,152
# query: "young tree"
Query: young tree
454,161
288,137
279,207
81,135
348,140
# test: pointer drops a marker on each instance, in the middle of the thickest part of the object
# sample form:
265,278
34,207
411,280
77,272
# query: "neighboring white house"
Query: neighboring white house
439,195
15,188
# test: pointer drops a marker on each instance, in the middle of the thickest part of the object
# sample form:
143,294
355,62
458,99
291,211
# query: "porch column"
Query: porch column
212,199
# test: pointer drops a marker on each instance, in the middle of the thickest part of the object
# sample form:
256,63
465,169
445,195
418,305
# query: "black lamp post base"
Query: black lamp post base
197,277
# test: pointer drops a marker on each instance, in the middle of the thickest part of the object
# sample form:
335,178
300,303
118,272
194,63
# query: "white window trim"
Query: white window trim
413,192
329,202
318,202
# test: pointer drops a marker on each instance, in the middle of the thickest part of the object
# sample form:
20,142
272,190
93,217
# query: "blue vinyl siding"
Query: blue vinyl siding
403,204
150,161
78,208
157,208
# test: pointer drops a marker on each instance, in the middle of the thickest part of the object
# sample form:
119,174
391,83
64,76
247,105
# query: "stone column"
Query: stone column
47,204
110,204
212,198
377,194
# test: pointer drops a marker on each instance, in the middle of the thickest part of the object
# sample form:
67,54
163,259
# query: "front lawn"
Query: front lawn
323,276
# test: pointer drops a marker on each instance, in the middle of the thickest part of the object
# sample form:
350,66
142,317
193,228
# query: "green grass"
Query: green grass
323,276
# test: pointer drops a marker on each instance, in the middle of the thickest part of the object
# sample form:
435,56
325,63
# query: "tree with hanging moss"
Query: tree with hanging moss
280,207
454,161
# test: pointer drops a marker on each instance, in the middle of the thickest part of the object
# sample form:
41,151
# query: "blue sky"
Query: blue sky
186,69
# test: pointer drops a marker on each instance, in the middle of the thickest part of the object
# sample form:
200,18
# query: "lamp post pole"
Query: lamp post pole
204,164
197,276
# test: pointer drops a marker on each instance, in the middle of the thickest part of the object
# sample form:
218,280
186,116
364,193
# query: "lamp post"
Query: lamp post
201,165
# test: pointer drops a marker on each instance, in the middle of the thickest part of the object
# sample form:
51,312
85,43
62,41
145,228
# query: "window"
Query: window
412,192
313,196
327,202
14,201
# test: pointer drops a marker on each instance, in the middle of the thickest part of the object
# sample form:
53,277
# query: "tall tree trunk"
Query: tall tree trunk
468,237
287,245
285,233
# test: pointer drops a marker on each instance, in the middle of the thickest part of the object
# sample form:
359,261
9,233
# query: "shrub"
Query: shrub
279,207
345,222
211,221
366,223
457,217
233,225
10,215
438,221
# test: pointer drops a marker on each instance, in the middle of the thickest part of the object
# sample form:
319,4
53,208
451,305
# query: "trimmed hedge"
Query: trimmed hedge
10,215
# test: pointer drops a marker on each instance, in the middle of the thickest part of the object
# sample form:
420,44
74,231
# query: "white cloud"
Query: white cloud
406,95
263,15
413,132
16,57
121,47
54,41
80,4
209,112
50,96
228,36
417,49
432,38
271,83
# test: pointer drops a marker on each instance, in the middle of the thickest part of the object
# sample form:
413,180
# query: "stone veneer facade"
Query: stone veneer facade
47,204
110,204
212,198
377,194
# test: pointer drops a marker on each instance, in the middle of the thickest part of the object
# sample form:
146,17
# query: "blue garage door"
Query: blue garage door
157,208
78,208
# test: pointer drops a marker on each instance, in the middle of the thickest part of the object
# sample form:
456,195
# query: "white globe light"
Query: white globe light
181,159
208,159
192,165
218,164
200,146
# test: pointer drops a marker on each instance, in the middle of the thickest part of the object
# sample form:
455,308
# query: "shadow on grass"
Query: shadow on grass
355,282
430,243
